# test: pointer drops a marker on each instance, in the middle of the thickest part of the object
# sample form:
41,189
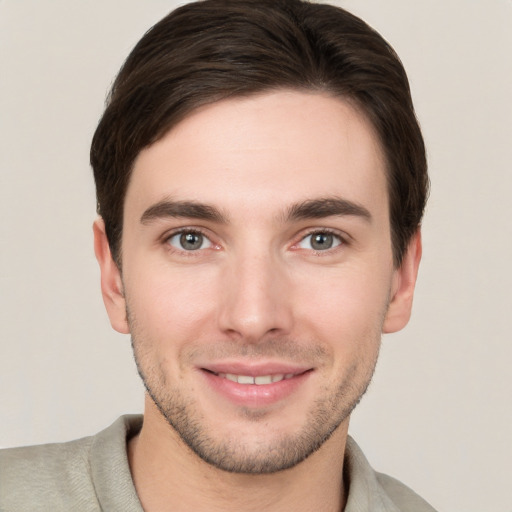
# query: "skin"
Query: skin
272,284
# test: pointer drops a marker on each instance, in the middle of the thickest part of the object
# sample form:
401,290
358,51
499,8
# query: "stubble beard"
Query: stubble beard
229,453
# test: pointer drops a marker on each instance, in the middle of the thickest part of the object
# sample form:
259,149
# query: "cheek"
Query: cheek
345,308
170,305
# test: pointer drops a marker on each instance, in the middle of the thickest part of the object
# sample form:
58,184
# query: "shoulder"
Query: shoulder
404,497
371,491
34,475
62,476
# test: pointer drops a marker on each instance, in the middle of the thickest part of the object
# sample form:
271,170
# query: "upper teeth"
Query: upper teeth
260,380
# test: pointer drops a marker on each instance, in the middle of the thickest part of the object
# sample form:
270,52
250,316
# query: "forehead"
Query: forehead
268,150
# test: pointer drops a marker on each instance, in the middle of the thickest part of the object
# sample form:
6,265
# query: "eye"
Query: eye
189,241
320,241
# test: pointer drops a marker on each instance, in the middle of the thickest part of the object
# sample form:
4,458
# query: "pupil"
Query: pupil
322,241
191,241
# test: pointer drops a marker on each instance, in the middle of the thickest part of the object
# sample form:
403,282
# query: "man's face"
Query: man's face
257,275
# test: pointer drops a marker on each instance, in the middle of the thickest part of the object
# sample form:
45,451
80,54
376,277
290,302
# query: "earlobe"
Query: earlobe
400,306
111,282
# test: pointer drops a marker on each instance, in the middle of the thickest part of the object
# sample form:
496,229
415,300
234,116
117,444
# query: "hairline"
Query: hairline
324,90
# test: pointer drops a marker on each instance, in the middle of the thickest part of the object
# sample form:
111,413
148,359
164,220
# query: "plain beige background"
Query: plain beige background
439,413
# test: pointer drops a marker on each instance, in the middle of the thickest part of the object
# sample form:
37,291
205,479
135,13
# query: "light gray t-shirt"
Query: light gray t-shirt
92,475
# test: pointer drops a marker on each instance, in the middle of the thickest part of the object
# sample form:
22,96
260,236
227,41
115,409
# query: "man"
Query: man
261,180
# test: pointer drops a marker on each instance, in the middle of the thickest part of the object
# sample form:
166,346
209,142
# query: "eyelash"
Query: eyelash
181,231
317,231
343,240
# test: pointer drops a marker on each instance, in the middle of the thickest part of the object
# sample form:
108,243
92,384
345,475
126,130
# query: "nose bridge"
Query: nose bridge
254,297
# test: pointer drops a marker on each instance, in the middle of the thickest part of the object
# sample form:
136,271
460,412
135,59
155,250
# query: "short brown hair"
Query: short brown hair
211,50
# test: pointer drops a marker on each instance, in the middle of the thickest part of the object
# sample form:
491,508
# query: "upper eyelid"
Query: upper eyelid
186,229
342,235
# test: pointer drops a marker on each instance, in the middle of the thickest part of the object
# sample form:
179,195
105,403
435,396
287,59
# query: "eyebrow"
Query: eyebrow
309,209
182,209
326,207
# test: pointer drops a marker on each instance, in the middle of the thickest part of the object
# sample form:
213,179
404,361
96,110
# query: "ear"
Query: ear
111,282
404,280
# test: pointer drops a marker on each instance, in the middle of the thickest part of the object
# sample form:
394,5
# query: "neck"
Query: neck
169,476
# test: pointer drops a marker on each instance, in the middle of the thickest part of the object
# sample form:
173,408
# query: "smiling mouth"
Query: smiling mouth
260,380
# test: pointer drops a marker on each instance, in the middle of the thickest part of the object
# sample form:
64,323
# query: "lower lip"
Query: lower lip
253,395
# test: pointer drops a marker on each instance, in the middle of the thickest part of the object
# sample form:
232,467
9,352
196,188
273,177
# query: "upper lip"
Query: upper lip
255,369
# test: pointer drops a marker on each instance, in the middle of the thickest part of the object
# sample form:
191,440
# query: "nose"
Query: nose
255,298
